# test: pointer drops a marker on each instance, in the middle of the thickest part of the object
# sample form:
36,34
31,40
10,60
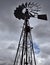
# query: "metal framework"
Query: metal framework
25,52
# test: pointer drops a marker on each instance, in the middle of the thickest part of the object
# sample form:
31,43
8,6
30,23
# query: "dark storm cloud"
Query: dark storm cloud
12,46
45,49
7,20
6,57
42,32
45,52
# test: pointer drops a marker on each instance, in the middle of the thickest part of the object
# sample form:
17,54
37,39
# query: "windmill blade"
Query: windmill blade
33,3
31,15
43,17
36,4
39,7
36,10
26,4
29,3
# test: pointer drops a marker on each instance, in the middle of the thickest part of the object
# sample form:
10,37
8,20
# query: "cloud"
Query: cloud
42,35
42,32
13,46
6,57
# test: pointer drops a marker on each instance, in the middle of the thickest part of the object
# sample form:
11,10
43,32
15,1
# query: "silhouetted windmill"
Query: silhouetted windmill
25,52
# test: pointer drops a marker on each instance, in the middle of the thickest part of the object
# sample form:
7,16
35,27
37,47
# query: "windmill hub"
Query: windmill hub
24,10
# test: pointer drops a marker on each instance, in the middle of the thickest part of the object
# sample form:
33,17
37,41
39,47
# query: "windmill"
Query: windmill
25,54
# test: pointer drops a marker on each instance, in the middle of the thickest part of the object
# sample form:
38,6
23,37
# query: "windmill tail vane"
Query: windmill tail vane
26,50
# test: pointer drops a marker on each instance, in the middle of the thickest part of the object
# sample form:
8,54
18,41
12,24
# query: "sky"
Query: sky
10,29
